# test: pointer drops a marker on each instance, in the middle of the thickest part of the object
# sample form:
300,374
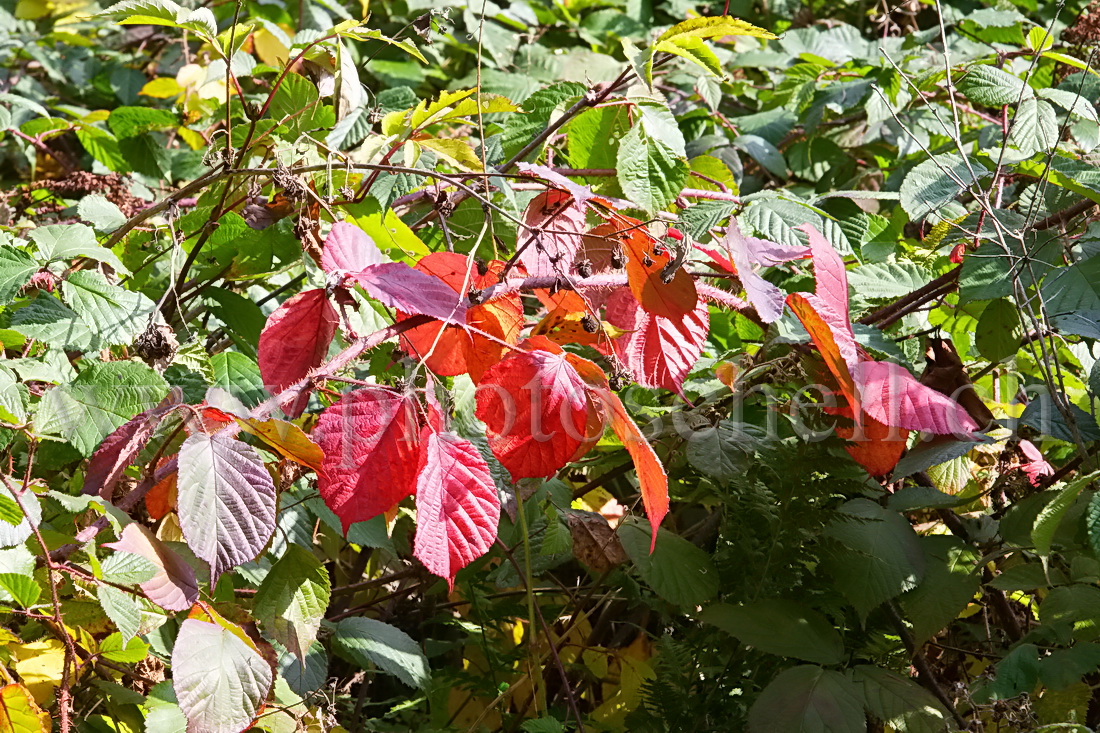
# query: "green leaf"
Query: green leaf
649,172
10,511
47,320
998,333
780,627
899,701
127,122
163,13
1072,102
24,589
10,535
98,401
219,676
126,568
520,129
122,608
992,87
949,584
677,571
367,642
887,280
1046,524
809,698
593,137
100,213
116,649
63,242
879,554
352,129
1074,288
115,314
723,451
935,183
1016,673
16,269
1035,127
292,599
239,376
14,397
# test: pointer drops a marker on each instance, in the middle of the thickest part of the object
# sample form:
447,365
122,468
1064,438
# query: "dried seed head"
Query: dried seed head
482,267
583,268
476,296
618,259
590,323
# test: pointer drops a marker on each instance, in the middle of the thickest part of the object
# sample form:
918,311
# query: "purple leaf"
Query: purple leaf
226,501
397,285
173,588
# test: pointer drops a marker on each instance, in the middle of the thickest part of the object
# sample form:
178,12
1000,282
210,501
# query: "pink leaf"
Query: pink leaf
893,396
832,279
397,285
557,226
371,443
1036,465
769,254
348,249
457,507
174,587
658,351
295,341
580,193
535,408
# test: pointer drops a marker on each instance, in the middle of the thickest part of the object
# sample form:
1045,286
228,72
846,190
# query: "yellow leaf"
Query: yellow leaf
162,88
270,49
39,665
33,9
193,139
287,438
386,229
19,713
456,152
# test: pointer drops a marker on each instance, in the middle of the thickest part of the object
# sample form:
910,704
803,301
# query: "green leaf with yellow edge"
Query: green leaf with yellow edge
19,713
353,29
1046,524
694,50
713,26
123,652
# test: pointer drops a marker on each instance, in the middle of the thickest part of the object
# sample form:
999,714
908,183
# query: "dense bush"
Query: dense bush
583,365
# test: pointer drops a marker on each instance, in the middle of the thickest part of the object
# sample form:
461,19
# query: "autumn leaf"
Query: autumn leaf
295,341
398,286
535,408
348,249
658,351
554,225
118,451
457,507
837,350
875,446
652,478
370,439
459,350
893,396
646,261
174,587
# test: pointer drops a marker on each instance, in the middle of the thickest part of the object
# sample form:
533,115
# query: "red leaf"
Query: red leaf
458,350
174,587
348,249
645,262
371,443
295,341
893,396
399,286
658,351
118,451
556,223
535,407
457,507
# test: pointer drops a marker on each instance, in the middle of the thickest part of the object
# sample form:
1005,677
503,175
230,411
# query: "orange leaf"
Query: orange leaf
825,338
651,474
645,262
875,446
161,499
564,327
287,438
